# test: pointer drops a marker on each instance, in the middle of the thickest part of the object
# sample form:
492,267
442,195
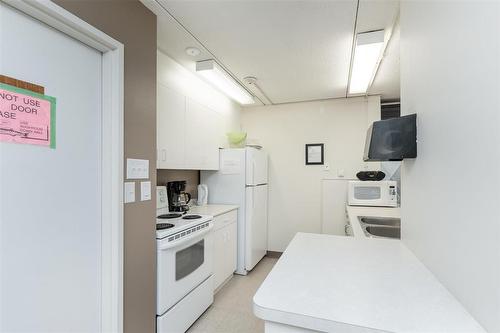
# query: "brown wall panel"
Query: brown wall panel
192,178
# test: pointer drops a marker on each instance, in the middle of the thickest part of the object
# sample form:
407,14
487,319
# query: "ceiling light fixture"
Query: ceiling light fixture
367,55
193,51
255,89
212,72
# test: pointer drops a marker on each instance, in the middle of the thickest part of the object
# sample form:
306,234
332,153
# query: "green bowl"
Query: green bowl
237,139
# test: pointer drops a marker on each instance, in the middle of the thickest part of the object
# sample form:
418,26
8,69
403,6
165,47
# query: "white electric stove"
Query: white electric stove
184,265
181,225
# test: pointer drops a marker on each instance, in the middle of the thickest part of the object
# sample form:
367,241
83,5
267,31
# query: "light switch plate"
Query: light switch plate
137,169
129,192
145,191
341,173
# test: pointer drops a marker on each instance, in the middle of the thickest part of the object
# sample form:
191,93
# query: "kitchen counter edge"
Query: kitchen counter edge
212,209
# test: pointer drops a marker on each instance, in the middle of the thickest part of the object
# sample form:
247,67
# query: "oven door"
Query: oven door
182,265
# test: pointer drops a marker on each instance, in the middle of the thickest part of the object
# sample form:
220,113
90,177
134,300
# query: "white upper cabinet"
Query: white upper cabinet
202,144
187,132
170,124
192,118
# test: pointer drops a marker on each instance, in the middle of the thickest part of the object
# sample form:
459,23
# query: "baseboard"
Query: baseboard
223,284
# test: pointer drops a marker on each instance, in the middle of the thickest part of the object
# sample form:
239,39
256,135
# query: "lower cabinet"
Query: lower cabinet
225,239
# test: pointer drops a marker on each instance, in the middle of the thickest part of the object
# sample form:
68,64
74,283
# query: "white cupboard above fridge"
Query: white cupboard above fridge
188,134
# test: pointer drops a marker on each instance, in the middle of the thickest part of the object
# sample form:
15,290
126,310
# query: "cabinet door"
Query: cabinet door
219,257
171,119
215,133
202,149
231,248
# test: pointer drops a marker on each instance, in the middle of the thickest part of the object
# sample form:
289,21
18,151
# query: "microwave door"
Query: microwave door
368,193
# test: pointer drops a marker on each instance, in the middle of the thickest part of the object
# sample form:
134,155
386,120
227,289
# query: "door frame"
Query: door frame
111,148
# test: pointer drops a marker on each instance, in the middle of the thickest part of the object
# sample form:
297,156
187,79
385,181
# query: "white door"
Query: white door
50,198
255,225
256,166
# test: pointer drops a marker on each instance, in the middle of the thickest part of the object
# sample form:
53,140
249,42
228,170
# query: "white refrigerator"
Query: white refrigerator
242,180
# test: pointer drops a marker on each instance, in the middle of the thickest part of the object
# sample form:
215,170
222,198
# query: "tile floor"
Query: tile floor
232,308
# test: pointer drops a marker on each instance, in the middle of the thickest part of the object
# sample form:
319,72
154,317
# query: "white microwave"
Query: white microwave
372,193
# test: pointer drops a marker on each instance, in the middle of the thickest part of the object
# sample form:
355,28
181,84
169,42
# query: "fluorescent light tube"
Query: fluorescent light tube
367,54
213,73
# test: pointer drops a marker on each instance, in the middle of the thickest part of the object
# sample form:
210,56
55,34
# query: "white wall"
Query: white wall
295,189
187,83
450,77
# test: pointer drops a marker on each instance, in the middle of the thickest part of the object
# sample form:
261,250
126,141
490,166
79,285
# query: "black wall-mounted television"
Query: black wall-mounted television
392,139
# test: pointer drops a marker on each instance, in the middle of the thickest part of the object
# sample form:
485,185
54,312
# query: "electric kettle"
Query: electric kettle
202,194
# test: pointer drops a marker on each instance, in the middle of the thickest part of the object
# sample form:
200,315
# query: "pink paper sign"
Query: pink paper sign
26,117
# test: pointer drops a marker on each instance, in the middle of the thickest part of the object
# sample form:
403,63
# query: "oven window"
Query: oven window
367,192
189,259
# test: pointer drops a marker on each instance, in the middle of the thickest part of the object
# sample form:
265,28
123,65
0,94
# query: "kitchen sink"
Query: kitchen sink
381,227
390,232
389,221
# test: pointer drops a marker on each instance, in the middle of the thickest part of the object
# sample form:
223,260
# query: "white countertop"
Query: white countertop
213,210
329,283
354,211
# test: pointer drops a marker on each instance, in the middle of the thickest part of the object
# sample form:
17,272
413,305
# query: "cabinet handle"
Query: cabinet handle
163,154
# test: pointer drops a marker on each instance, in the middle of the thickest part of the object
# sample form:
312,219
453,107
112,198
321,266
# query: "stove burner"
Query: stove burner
161,226
191,217
170,216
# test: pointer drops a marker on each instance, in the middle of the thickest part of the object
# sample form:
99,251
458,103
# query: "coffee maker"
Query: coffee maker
178,199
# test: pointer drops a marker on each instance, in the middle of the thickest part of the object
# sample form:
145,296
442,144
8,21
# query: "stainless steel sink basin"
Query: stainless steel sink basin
381,227
390,232
389,221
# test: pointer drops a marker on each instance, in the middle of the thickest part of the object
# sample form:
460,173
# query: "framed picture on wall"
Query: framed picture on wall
315,154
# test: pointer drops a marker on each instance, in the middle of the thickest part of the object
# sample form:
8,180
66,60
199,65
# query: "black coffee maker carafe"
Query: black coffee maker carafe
178,198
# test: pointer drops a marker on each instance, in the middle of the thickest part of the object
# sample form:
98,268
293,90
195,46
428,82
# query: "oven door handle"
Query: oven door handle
168,245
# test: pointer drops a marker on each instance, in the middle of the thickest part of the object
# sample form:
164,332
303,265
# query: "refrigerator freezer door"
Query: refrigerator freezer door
256,166
256,225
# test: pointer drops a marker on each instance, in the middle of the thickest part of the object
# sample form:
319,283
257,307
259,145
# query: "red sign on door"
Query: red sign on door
27,117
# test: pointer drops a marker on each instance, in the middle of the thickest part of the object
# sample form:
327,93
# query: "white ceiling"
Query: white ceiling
298,50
